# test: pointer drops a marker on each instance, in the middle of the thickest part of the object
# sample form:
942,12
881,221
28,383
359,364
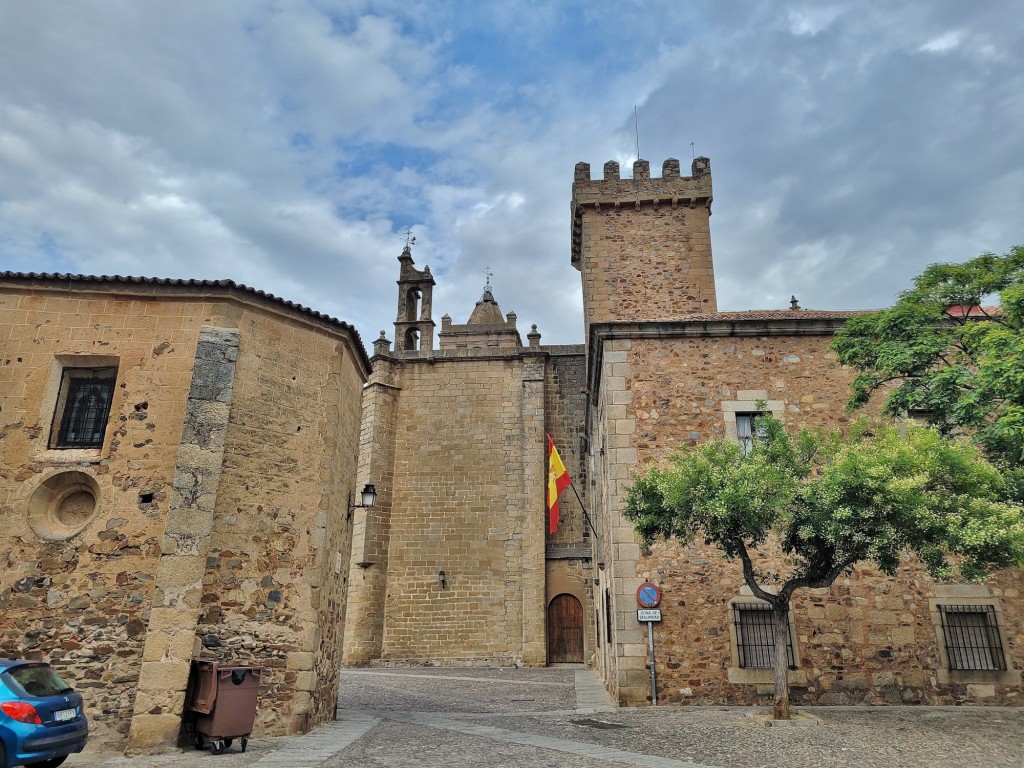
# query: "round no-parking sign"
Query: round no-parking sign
648,595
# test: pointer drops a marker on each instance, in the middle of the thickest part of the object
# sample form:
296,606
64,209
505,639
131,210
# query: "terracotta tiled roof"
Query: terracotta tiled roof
231,285
962,310
777,314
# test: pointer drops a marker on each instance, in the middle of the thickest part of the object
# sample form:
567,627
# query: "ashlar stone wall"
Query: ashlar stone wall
461,491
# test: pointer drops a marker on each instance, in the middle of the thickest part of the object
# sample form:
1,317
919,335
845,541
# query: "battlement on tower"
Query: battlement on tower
613,191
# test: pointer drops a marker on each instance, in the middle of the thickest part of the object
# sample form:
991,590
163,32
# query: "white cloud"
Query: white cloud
945,42
812,19
286,144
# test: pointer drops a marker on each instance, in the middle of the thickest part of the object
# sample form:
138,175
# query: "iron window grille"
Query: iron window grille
608,614
972,637
755,636
83,406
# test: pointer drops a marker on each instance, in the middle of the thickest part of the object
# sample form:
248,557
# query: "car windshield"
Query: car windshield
38,680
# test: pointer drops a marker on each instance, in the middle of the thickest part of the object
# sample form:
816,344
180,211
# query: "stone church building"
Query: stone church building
181,464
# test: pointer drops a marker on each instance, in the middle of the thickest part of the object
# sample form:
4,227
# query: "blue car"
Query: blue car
41,718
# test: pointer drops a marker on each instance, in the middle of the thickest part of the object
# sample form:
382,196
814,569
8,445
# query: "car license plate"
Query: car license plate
63,715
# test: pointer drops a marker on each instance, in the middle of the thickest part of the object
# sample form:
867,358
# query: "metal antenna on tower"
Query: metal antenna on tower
409,239
636,125
693,152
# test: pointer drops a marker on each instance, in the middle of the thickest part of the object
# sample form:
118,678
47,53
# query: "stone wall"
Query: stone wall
273,590
869,639
643,245
371,534
455,444
687,390
564,411
460,505
170,638
110,554
79,596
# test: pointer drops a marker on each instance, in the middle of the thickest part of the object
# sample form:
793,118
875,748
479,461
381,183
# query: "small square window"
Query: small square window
972,637
755,636
83,406
746,430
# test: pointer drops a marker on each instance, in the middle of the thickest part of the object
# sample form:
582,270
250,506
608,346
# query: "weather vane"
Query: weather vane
487,274
409,239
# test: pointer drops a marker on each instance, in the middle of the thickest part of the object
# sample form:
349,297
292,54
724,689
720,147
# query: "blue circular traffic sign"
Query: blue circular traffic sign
648,595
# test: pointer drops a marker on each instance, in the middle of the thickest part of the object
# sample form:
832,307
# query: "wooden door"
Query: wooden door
565,630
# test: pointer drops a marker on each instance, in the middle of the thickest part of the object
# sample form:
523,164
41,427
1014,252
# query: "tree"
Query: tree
823,503
938,350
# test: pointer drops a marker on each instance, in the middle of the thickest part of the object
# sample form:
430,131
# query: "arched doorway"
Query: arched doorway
565,630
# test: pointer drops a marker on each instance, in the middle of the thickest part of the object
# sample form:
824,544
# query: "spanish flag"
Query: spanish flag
558,481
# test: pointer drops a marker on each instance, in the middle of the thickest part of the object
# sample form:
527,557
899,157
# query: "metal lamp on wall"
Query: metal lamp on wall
368,497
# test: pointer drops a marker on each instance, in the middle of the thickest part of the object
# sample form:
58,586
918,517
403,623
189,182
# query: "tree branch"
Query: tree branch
748,576
822,583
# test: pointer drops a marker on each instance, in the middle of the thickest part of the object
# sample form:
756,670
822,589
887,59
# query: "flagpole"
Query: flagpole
553,481
585,515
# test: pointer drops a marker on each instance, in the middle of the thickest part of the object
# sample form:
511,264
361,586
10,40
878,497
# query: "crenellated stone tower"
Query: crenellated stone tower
643,245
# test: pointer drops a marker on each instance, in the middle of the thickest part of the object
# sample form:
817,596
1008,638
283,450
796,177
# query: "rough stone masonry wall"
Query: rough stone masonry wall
462,503
647,264
564,408
83,602
273,591
643,245
869,639
569,551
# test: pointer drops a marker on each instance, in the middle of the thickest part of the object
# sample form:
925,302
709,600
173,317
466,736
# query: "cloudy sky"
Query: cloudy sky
288,144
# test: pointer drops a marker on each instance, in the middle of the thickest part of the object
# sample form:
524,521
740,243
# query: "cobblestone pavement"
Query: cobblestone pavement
429,718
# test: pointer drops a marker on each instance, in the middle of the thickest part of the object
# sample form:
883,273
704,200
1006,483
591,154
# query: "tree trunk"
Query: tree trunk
780,705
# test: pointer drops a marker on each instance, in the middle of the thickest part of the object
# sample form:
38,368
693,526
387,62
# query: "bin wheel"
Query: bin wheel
197,741
217,747
244,743
227,743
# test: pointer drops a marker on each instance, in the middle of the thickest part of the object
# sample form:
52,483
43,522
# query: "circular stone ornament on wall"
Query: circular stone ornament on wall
63,505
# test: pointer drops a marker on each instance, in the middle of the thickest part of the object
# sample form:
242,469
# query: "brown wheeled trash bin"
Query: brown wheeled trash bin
222,701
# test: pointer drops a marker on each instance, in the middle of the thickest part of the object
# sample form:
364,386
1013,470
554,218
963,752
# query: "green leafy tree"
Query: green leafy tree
821,503
940,351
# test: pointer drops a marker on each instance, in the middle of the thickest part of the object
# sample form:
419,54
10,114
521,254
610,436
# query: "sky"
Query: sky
290,144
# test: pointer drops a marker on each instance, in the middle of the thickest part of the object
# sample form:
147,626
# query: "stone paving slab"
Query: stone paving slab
432,718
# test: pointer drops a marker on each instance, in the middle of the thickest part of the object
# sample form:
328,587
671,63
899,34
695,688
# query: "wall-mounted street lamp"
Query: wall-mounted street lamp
368,498
442,579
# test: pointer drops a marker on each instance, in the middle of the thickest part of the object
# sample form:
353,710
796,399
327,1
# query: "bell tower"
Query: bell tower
414,330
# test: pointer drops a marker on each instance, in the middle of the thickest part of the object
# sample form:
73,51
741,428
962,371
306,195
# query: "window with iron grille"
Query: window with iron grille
83,405
972,637
608,613
746,430
755,636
